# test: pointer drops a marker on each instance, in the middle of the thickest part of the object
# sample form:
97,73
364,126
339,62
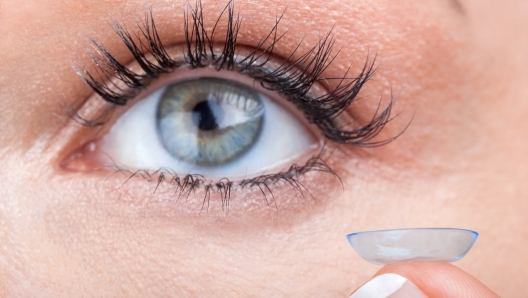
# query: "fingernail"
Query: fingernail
389,285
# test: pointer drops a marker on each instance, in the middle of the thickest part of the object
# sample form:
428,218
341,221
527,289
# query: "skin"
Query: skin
440,280
458,70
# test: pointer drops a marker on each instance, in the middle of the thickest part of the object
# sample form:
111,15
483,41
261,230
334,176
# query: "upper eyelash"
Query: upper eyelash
293,78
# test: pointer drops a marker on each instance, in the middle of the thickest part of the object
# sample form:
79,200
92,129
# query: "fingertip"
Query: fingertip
439,279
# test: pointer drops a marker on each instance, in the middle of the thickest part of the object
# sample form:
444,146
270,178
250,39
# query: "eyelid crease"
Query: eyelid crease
294,78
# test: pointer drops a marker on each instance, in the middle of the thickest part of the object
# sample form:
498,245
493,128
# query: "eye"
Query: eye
240,113
207,125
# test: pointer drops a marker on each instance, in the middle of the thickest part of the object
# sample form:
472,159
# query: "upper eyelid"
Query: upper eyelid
293,78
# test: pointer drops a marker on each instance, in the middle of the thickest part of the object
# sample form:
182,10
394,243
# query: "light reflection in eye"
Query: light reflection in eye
208,126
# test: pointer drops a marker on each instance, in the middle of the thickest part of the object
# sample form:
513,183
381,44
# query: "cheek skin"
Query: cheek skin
114,243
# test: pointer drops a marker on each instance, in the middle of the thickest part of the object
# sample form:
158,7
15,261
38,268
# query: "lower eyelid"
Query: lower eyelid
159,194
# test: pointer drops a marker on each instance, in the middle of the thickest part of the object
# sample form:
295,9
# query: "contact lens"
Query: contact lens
383,247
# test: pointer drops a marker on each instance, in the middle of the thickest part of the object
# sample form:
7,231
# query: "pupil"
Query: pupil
206,115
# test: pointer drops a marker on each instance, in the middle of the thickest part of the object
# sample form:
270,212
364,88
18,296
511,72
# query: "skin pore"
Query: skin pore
458,71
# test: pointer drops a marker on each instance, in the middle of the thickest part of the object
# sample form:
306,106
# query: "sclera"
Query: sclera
383,247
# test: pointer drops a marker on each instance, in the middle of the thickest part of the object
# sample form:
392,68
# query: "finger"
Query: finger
433,280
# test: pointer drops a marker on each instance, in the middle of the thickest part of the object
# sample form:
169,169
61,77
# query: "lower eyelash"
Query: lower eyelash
186,185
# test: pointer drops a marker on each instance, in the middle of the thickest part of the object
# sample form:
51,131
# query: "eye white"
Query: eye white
133,143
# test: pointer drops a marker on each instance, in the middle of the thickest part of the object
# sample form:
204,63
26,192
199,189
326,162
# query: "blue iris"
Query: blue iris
209,121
